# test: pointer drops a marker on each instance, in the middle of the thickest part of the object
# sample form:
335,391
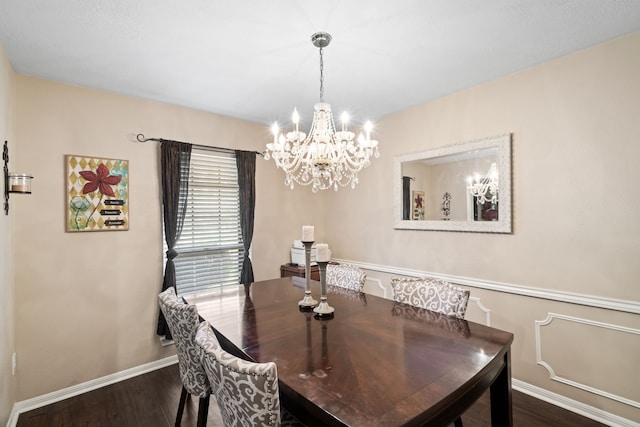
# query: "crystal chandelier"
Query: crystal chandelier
324,158
484,189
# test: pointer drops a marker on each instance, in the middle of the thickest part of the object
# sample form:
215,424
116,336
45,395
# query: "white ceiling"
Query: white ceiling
253,59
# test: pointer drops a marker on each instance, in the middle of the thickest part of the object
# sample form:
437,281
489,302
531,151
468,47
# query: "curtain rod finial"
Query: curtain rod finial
132,137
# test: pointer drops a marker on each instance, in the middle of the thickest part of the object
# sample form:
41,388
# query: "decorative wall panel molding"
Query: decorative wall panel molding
550,317
567,297
378,284
485,310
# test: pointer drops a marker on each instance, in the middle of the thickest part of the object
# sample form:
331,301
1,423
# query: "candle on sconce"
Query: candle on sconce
307,233
322,252
19,182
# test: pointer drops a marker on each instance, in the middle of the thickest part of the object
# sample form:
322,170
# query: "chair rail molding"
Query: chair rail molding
624,306
555,377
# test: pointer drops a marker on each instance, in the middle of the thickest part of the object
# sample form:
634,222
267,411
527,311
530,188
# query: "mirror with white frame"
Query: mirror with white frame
460,187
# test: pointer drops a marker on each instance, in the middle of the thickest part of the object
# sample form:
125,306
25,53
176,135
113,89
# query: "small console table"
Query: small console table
288,270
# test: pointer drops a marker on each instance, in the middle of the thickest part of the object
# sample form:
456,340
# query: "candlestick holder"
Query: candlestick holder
307,302
323,310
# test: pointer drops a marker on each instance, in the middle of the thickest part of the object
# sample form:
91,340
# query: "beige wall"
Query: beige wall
576,145
574,125
86,302
7,383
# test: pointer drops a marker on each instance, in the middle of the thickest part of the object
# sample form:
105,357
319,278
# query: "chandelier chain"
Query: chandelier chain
321,76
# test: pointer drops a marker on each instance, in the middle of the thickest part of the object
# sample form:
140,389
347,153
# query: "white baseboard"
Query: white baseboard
572,405
65,393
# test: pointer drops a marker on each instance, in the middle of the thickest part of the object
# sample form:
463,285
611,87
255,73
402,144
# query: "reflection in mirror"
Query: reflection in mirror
462,187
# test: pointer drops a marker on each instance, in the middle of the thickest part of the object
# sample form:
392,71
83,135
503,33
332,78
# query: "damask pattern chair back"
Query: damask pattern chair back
183,321
247,393
432,294
346,276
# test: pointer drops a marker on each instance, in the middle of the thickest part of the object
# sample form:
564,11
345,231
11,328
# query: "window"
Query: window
210,245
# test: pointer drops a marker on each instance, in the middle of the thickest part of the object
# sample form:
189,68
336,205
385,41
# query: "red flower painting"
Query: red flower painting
100,180
97,194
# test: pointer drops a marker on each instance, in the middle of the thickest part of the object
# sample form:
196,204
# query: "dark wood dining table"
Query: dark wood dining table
376,362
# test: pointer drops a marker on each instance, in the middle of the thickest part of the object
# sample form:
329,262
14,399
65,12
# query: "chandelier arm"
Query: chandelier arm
295,167
357,166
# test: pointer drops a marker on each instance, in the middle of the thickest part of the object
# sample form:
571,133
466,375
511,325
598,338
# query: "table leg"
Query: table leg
501,413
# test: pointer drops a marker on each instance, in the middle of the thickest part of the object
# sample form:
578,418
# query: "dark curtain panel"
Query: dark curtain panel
246,163
175,158
406,197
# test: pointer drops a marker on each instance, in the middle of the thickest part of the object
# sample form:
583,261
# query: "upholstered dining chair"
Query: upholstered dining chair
247,392
346,276
432,294
183,320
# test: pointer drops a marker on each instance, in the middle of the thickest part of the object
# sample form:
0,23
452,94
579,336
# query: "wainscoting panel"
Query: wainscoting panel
374,286
476,305
606,372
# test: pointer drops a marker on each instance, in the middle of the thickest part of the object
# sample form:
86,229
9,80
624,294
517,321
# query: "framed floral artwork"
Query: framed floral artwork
418,205
97,194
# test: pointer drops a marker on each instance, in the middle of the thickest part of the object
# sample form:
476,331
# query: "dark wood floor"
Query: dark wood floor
151,400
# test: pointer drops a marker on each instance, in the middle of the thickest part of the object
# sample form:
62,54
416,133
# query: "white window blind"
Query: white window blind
210,245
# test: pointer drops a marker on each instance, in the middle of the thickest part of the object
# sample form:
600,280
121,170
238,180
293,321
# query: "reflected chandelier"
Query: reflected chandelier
485,189
324,158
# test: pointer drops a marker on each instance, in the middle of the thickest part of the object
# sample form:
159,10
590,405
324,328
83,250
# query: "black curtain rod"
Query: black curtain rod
140,138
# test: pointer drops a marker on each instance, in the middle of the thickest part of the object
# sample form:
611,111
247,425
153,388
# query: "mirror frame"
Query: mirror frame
503,225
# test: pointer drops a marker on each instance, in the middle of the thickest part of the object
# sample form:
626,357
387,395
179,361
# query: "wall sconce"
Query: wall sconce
13,182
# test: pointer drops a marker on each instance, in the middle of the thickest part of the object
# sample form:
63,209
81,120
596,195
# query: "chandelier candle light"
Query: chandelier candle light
322,258
485,189
307,303
324,158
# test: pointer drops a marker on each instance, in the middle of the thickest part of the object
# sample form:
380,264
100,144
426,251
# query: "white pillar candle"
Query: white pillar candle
307,233
322,252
